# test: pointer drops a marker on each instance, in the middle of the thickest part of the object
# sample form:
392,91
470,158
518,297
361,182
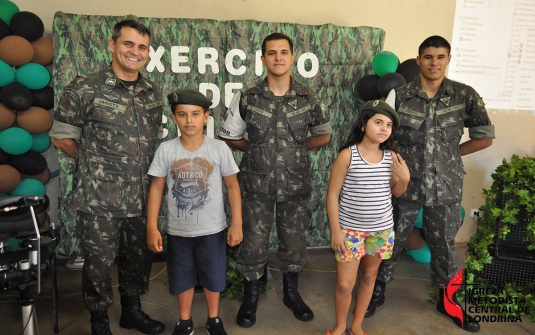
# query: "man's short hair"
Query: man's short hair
434,42
277,36
140,27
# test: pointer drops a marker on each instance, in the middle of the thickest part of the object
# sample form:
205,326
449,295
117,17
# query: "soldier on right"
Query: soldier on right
434,111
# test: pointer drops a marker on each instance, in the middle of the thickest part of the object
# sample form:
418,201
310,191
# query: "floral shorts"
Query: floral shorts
366,243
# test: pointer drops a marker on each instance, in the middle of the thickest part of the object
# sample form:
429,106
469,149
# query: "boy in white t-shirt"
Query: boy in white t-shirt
194,166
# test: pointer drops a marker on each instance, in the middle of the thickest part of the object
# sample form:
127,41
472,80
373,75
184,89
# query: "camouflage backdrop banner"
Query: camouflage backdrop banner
218,58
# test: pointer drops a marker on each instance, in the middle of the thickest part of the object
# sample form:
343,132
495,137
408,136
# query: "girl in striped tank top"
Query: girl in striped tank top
364,177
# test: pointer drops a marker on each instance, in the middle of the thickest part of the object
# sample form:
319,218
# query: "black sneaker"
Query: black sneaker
214,326
184,327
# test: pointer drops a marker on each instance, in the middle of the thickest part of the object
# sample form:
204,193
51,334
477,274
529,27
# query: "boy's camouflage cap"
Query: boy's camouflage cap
188,97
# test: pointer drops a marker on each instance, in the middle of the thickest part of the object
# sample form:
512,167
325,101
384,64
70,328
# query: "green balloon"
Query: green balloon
7,74
29,186
422,255
7,10
32,75
420,219
41,142
385,62
15,141
463,213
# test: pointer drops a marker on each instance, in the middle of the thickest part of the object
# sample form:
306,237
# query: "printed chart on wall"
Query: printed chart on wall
493,50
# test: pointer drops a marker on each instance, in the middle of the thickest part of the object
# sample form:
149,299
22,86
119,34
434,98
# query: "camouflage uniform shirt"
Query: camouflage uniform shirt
116,128
275,165
429,135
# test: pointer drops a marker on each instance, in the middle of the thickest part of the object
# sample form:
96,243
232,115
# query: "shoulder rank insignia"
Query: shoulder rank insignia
480,103
111,81
293,104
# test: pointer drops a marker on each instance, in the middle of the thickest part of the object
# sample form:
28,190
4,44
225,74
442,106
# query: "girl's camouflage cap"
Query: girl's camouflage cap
188,97
382,107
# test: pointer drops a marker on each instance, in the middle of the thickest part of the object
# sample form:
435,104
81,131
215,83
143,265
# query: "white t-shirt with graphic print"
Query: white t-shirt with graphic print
195,185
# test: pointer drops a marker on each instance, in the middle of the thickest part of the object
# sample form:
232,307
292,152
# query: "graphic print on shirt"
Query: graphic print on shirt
191,184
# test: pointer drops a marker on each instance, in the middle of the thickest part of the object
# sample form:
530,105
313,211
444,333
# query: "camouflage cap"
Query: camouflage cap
382,107
188,97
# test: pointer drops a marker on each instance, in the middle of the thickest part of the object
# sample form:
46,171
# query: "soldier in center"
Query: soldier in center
275,175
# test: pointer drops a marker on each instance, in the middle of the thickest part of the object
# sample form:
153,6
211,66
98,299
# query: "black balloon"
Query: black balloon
16,97
30,163
367,87
389,82
409,69
4,157
27,25
43,97
4,29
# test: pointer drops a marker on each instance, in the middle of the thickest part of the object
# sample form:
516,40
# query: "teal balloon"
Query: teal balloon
15,141
7,10
422,255
420,219
7,74
41,142
463,213
32,75
385,62
29,186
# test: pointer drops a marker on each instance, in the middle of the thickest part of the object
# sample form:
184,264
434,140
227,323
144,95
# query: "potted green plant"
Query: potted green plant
510,201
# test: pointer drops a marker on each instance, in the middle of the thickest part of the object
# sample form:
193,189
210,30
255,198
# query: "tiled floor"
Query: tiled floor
406,311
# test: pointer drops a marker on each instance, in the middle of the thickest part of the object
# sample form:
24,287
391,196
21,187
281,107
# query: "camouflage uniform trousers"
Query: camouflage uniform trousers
292,219
105,241
440,225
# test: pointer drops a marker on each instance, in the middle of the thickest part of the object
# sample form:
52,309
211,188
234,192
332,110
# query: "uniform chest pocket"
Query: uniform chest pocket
451,122
258,122
409,123
154,112
298,121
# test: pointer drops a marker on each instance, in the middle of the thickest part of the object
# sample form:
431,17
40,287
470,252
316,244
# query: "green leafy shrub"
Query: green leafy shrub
512,192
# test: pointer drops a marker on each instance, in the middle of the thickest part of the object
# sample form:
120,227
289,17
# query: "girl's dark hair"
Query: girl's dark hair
357,134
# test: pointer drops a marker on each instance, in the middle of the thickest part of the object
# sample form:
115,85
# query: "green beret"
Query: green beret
188,97
382,107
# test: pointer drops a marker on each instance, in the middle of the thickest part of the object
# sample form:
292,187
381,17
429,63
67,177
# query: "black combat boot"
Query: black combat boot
247,314
470,324
293,300
100,323
378,298
133,317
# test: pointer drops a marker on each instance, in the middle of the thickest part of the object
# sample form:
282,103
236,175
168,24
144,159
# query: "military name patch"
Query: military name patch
154,104
102,102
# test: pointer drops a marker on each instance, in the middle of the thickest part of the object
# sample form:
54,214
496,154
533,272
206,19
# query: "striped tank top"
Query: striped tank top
366,197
